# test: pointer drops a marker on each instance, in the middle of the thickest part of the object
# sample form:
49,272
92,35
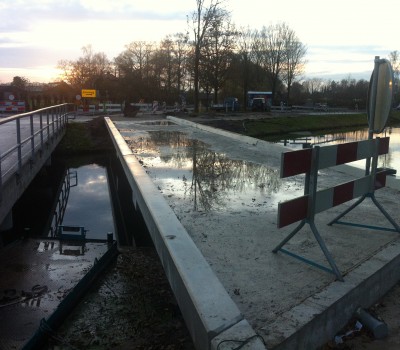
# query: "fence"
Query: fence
25,136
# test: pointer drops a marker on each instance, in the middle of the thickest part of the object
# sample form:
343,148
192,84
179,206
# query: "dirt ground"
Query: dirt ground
133,307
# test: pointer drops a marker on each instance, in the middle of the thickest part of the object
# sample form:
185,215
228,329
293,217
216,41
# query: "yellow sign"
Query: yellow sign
88,93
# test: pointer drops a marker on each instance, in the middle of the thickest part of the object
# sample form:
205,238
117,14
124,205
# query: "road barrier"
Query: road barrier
304,208
12,106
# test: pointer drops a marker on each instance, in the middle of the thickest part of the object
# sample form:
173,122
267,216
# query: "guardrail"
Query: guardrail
24,136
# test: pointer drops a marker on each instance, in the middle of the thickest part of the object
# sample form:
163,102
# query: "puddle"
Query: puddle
186,169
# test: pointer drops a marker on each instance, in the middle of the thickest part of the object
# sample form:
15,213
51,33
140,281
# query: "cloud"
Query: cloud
20,15
12,57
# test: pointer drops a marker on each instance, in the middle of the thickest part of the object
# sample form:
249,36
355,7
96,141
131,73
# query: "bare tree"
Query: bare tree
244,48
181,56
273,53
313,85
217,51
133,59
136,70
86,70
294,62
202,19
394,58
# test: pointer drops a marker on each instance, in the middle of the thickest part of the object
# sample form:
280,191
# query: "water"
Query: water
87,191
390,160
89,203
188,170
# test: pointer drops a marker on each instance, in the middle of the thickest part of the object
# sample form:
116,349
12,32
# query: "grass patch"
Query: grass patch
76,138
267,128
88,137
285,125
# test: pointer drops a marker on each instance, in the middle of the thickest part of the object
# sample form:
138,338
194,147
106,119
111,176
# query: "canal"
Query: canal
132,304
85,191
390,160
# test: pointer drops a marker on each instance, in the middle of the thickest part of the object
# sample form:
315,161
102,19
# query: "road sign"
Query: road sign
88,93
380,95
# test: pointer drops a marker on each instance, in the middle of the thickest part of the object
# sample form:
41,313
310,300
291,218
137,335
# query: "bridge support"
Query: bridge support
7,223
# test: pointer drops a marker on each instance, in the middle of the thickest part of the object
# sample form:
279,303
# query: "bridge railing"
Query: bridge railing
24,136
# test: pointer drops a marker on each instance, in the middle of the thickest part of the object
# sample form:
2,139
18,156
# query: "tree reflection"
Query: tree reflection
213,174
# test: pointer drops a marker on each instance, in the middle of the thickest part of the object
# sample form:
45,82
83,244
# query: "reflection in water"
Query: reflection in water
390,160
191,169
90,191
89,202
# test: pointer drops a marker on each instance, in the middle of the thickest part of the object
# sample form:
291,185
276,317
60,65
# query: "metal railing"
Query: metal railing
24,136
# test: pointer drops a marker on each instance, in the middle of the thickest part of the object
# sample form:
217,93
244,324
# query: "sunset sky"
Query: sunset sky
342,37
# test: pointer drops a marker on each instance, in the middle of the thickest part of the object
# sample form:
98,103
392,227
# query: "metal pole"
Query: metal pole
48,125
19,150
32,138
41,131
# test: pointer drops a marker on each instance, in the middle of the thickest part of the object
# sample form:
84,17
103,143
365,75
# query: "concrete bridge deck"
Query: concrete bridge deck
217,256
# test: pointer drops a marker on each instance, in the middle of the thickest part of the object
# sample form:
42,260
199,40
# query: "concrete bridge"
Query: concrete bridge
231,288
229,285
26,143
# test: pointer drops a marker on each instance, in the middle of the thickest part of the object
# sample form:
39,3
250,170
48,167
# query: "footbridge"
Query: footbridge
26,143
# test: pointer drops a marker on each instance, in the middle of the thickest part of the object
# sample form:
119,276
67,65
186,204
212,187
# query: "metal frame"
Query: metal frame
310,189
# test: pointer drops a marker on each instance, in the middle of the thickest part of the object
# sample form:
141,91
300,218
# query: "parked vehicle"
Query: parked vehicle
258,104
266,95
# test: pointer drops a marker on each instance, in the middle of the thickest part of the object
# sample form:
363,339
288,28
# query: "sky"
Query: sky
342,37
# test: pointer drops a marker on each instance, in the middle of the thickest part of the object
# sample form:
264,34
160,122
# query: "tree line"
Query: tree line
212,60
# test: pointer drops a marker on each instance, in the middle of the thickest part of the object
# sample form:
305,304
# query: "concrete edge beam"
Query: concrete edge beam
206,306
238,336
268,146
334,306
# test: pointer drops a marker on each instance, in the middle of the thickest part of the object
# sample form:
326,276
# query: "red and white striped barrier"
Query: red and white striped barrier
304,208
299,162
87,108
12,106
297,209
